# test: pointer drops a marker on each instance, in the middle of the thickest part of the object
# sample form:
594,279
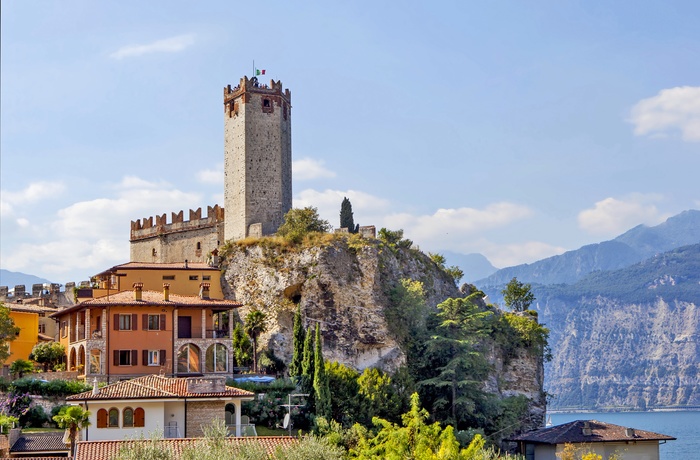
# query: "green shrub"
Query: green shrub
35,417
54,388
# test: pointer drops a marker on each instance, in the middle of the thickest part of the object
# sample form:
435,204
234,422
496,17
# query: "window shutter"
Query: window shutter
102,418
116,358
162,322
162,358
116,322
134,322
144,356
139,417
134,357
144,321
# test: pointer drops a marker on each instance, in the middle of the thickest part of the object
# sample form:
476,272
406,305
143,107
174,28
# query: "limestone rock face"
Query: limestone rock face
343,289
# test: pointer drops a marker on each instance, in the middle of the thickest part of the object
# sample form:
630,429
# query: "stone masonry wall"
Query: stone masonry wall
201,414
257,157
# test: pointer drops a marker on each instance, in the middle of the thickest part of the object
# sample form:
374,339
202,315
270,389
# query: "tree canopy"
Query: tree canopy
48,354
518,296
346,216
300,222
73,419
254,326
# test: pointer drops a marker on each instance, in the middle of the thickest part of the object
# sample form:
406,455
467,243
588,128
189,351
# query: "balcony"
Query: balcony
218,334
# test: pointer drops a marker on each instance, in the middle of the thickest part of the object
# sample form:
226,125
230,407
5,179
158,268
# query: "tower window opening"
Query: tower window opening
266,103
199,245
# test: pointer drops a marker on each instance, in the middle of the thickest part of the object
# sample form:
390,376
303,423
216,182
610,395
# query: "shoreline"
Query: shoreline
624,410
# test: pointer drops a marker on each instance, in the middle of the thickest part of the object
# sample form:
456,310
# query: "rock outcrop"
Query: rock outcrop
343,284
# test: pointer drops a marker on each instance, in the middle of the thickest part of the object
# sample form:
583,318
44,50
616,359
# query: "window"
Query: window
217,358
139,417
194,277
169,277
113,418
124,322
128,417
206,277
154,322
125,358
266,103
42,329
102,418
64,329
188,358
199,245
153,357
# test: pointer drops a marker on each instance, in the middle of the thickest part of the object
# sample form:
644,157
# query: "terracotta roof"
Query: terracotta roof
573,432
148,299
156,266
29,308
100,450
154,386
45,338
51,441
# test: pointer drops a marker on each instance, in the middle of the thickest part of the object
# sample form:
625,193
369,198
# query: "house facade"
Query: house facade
35,326
140,332
604,439
175,407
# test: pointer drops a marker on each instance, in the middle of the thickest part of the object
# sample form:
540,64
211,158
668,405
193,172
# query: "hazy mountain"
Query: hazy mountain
475,266
626,338
631,247
11,279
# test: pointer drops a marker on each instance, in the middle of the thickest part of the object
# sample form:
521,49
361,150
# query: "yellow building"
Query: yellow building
184,279
33,322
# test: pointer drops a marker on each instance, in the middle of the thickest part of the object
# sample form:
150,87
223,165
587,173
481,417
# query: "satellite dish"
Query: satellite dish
285,424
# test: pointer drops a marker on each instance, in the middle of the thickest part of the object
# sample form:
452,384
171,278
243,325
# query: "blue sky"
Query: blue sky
518,130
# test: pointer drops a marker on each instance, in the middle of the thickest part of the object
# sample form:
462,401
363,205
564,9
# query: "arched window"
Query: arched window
113,418
188,359
102,418
230,414
139,418
128,417
217,358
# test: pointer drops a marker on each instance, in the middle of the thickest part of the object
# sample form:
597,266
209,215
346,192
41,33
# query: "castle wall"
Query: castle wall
181,240
257,157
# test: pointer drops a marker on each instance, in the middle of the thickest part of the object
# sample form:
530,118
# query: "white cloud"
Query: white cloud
308,168
34,192
89,236
612,216
508,255
166,45
212,176
450,227
672,109
22,222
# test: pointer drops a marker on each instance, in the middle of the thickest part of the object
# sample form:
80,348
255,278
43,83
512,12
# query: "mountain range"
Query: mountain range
623,318
12,279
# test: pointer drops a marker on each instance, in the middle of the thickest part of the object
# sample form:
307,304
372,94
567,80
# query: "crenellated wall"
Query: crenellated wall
153,239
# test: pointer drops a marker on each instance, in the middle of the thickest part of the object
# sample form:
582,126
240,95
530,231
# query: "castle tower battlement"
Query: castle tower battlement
153,226
257,158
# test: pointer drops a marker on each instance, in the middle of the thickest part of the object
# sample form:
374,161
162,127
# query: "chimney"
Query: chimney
204,290
138,287
629,432
166,292
95,388
206,385
587,428
215,258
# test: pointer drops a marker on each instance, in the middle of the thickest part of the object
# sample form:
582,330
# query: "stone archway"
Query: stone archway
72,362
81,359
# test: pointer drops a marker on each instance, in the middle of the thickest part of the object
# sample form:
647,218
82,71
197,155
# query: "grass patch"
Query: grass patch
265,431
41,430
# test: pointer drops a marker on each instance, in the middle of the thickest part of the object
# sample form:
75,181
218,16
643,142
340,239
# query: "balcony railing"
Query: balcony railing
217,334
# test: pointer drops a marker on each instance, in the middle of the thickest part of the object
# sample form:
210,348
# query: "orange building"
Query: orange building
184,279
140,332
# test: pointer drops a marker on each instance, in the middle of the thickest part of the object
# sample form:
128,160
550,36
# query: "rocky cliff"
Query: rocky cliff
343,283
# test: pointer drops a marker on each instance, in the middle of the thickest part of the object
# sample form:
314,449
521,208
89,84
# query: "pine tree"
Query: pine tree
295,368
321,387
346,217
307,364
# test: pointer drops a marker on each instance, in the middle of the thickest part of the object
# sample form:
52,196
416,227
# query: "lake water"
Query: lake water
683,425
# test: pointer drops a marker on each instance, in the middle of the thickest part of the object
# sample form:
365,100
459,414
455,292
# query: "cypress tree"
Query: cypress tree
295,368
307,364
346,217
321,387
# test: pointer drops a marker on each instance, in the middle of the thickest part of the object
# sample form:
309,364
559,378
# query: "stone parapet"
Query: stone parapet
153,226
201,414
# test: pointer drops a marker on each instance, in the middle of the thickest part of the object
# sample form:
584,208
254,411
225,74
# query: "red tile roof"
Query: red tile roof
155,386
51,441
149,299
573,432
100,450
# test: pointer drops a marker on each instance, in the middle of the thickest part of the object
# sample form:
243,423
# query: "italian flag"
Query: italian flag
259,72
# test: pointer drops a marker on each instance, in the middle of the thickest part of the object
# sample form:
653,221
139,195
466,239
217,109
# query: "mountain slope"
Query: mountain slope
475,266
631,247
11,279
626,338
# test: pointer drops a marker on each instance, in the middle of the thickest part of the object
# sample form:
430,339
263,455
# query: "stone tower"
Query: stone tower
257,158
